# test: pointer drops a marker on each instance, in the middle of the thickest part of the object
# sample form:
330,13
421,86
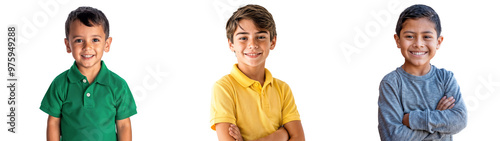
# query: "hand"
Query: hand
445,103
406,120
234,131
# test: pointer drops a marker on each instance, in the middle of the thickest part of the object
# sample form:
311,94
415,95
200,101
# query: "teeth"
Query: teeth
87,56
417,53
252,54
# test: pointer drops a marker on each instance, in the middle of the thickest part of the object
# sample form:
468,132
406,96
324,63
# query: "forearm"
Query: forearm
280,135
53,133
392,131
295,130
449,121
222,130
124,134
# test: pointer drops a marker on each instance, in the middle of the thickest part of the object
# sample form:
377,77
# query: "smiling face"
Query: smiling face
87,44
418,42
251,44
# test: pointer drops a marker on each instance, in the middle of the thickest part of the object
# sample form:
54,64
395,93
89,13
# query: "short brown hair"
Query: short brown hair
90,17
258,14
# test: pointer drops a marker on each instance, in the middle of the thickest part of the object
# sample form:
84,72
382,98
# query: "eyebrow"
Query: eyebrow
91,36
422,32
246,33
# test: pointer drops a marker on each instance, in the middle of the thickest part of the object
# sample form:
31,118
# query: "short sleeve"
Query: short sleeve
125,104
52,101
290,112
222,108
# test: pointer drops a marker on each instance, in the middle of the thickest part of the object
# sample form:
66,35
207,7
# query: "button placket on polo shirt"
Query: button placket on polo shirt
88,98
264,101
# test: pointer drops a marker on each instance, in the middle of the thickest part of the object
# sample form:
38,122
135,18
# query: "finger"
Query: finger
447,103
442,99
233,128
233,135
441,102
237,130
452,105
450,98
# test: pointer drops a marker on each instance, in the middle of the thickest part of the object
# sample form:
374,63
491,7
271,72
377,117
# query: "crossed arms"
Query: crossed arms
449,117
291,131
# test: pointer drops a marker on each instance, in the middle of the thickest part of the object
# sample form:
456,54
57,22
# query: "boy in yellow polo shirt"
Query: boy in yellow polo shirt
249,104
88,101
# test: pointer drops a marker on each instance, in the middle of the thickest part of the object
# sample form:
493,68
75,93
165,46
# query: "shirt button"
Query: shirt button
84,81
88,94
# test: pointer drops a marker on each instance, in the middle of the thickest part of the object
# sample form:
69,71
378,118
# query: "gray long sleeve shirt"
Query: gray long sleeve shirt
401,93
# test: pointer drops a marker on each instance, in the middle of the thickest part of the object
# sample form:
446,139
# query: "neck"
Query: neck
419,70
255,73
90,73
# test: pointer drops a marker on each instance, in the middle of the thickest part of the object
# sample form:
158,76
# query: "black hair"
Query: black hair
89,16
419,11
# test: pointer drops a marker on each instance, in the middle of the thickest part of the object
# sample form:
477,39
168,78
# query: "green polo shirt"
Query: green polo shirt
88,111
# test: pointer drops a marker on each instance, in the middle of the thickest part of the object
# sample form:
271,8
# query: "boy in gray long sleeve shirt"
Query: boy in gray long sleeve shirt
418,101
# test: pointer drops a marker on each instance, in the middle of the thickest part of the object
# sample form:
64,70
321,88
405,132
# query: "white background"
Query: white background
336,92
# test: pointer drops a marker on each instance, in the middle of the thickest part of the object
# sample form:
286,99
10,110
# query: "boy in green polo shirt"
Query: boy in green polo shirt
88,101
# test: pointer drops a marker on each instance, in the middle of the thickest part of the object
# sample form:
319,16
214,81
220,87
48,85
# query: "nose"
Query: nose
87,46
419,43
252,44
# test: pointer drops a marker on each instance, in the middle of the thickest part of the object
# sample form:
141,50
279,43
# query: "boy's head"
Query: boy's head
87,36
418,34
90,17
251,34
419,11
258,14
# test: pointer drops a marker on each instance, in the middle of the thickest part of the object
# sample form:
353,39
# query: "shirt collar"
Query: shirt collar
75,76
243,80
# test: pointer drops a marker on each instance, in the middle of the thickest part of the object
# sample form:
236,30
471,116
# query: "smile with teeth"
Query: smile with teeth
252,54
87,56
418,52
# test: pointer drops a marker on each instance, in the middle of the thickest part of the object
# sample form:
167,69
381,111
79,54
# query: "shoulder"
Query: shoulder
116,80
280,83
226,80
61,78
60,81
392,77
441,72
443,75
226,84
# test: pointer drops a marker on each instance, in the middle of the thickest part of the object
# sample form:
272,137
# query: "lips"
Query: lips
252,54
418,53
87,56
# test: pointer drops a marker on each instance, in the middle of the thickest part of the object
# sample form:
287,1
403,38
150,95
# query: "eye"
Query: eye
409,37
78,40
261,37
428,37
243,38
95,40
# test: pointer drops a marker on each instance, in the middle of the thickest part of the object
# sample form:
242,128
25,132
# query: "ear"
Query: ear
108,44
273,43
440,40
66,42
396,38
231,45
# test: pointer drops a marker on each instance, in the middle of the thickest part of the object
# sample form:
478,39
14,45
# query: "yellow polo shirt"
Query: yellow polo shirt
257,110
